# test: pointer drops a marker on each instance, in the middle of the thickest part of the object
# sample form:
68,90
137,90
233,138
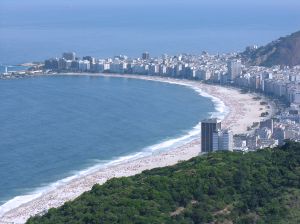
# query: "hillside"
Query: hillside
284,51
223,187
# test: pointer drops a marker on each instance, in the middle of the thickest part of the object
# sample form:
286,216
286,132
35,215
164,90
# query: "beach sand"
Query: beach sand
243,111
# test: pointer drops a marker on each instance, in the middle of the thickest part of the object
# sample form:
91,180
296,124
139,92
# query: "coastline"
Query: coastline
239,106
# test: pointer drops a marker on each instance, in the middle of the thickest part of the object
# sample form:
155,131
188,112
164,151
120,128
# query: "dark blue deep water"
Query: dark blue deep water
51,127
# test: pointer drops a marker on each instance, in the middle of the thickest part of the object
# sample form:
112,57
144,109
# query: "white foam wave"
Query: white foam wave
221,109
148,151
165,145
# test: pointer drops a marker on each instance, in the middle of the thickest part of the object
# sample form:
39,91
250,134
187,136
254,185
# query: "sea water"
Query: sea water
54,127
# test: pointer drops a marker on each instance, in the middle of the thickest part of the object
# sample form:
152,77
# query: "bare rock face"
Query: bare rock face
284,51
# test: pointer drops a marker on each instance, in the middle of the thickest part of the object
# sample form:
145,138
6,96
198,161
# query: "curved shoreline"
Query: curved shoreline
74,186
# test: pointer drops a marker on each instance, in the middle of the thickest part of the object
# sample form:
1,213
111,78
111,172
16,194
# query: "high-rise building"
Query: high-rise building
75,66
208,127
69,56
84,65
223,140
51,63
62,64
145,56
279,134
234,69
252,142
267,124
91,59
99,67
227,140
216,139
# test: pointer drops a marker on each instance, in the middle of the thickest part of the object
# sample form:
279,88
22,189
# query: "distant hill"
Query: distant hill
222,187
284,51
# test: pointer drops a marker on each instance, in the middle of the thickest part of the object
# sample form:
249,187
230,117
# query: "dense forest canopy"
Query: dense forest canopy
222,187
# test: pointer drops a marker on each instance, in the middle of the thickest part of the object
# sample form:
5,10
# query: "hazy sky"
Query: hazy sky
45,28
22,11
277,2
286,4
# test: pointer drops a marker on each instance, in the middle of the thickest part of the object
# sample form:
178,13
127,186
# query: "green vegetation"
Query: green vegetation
223,187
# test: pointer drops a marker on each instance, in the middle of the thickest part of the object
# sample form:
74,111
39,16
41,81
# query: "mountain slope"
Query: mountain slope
284,51
223,187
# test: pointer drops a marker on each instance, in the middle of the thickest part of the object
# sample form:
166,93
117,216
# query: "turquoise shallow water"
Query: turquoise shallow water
53,127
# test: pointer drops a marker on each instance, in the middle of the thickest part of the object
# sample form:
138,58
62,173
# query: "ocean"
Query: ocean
54,127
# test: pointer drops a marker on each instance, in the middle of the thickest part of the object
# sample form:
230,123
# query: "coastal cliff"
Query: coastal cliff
284,51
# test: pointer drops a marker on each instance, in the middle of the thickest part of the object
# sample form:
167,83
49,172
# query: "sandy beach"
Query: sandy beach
241,110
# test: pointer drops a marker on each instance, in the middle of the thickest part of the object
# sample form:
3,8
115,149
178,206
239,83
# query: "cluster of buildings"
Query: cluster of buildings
203,67
265,135
268,134
281,83
274,131
213,138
